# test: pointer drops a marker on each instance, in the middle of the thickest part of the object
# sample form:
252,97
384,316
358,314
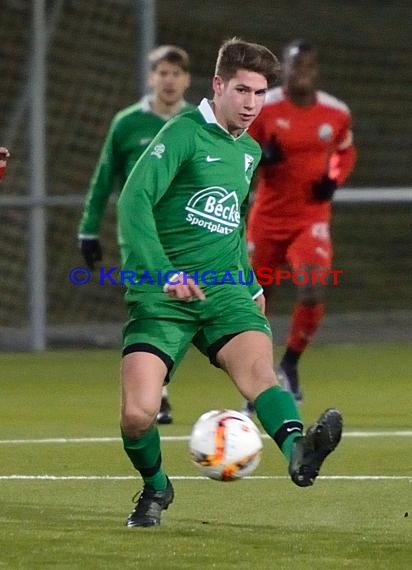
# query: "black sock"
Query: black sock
290,358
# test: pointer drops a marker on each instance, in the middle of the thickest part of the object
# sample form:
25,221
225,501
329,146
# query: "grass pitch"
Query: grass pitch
66,485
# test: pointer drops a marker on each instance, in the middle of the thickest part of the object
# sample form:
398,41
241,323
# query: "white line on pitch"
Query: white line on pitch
196,478
388,433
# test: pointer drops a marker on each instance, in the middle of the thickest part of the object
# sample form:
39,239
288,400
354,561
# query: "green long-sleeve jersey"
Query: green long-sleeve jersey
130,132
183,205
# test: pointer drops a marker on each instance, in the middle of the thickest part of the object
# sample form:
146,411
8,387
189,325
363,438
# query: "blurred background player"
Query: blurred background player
4,155
130,132
308,151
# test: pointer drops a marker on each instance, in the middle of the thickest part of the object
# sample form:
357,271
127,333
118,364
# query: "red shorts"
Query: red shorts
310,246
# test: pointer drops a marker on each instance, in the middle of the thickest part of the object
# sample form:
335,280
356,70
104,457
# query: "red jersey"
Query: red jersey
315,140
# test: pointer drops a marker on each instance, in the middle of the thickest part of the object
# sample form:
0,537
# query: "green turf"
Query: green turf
255,523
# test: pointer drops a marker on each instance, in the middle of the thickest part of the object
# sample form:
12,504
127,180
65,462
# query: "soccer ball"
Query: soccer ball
225,445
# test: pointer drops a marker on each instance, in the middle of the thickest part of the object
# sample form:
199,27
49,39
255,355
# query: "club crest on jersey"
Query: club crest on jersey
158,150
248,167
214,209
325,132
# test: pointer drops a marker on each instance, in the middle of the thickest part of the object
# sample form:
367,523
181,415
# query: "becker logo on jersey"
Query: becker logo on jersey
215,209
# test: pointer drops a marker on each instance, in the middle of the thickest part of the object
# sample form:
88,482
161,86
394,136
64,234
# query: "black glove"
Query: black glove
91,251
272,153
324,189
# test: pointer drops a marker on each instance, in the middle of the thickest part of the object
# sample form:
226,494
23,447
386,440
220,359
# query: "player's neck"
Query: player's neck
163,109
235,131
301,99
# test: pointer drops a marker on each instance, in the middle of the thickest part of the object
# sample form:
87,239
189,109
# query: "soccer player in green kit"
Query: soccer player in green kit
181,215
130,132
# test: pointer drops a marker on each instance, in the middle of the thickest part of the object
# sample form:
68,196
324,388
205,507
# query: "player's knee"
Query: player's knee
311,295
137,421
311,282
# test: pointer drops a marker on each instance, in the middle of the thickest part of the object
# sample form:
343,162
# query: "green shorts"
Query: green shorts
166,327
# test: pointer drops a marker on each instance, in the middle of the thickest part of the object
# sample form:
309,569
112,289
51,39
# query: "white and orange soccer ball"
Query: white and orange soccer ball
225,445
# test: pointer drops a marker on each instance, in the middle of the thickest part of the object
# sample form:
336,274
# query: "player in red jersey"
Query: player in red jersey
308,152
4,155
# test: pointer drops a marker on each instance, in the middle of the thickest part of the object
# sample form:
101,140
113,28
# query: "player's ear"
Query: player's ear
188,80
150,80
218,84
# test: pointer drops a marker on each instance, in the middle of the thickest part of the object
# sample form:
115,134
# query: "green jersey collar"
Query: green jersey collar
145,105
207,113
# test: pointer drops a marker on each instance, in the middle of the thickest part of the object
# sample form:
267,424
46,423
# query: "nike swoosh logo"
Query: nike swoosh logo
212,159
292,429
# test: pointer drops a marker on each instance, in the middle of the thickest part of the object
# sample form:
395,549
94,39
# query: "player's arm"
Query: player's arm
342,161
101,186
341,164
147,184
272,151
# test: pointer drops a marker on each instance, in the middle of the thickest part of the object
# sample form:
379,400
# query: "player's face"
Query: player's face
300,73
169,82
238,101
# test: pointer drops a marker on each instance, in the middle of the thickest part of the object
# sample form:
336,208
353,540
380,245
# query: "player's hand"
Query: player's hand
186,290
4,155
324,188
261,302
272,153
91,251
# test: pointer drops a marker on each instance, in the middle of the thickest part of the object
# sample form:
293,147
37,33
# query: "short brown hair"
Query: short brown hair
237,54
171,54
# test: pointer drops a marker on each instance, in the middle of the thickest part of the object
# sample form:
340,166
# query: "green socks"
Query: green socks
280,418
144,453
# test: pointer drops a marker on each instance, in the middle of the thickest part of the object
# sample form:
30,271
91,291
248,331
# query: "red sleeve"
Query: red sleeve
341,164
343,160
